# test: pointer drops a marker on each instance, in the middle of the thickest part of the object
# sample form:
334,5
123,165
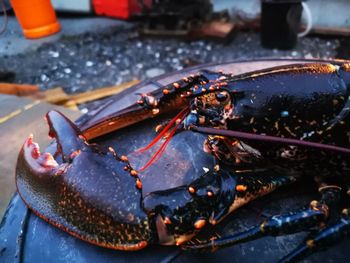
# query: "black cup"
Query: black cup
280,23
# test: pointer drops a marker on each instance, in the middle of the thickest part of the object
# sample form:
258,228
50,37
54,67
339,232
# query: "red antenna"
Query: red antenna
182,115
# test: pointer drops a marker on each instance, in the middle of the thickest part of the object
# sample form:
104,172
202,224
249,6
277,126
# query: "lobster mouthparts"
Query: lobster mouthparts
90,193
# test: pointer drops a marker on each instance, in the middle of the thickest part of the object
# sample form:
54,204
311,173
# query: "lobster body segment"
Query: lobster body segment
276,100
96,195
309,97
305,102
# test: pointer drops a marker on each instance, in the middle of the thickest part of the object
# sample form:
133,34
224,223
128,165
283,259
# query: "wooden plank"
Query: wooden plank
59,97
215,29
334,31
18,89
101,93
20,117
54,96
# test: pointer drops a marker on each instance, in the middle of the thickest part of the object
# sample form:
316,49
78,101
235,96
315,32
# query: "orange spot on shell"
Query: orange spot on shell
200,223
138,184
155,111
111,150
176,85
241,188
133,172
191,190
142,244
124,158
165,91
212,221
310,243
234,143
158,128
227,107
314,204
167,221
346,67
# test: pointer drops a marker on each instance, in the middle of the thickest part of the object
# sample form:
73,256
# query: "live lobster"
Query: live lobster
267,129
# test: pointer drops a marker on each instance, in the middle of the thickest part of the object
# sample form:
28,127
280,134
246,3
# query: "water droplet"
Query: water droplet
284,114
54,54
89,63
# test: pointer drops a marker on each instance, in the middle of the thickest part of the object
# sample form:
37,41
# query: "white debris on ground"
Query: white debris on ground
92,60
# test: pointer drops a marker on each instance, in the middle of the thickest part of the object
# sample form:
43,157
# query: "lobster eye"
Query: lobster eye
222,96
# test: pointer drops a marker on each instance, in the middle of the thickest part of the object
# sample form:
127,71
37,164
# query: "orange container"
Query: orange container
36,17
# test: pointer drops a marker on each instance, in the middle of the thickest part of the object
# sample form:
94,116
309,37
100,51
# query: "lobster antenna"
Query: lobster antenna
162,133
164,145
159,151
273,139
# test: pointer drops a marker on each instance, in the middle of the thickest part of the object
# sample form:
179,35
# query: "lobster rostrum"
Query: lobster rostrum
266,129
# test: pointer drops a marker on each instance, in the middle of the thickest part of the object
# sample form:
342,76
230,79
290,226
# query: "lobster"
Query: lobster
267,129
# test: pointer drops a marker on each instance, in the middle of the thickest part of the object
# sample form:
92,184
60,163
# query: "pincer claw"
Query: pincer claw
78,188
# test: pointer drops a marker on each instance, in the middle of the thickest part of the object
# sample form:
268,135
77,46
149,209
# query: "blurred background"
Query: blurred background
143,39
58,51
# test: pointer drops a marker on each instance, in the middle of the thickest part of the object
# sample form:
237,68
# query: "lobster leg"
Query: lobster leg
166,99
290,223
323,239
218,192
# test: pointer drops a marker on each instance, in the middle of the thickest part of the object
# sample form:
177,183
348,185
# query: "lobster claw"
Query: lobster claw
69,138
81,191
